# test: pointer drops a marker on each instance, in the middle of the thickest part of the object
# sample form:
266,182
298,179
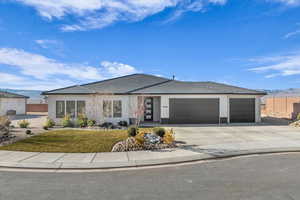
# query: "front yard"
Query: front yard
70,141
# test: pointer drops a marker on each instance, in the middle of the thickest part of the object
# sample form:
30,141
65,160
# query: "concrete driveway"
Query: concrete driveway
211,135
36,120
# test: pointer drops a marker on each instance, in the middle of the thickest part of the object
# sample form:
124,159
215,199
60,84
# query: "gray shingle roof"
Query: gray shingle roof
4,94
181,87
120,85
149,84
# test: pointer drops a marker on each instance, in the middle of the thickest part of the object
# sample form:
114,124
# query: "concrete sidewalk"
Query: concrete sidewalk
185,153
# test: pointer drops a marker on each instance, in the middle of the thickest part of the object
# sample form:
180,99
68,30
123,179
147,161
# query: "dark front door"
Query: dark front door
194,111
148,114
242,110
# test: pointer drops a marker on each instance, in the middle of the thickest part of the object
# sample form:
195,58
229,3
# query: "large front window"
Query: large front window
71,109
107,108
60,109
117,109
112,108
80,108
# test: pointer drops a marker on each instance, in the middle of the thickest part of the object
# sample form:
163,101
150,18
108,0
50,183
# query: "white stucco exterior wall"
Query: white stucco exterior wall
94,106
17,104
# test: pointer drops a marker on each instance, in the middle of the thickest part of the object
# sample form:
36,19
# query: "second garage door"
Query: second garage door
194,111
242,110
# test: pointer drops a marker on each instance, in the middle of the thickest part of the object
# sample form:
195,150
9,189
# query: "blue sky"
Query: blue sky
56,43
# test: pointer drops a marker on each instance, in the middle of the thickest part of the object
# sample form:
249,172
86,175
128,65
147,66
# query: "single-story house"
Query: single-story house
11,103
156,99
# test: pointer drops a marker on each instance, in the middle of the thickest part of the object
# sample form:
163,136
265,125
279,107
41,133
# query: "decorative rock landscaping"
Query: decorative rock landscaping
131,144
295,124
4,130
146,141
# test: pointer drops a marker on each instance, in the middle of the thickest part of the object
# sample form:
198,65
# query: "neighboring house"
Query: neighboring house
281,106
12,102
164,100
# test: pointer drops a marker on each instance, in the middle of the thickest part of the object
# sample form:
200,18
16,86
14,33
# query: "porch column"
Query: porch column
164,109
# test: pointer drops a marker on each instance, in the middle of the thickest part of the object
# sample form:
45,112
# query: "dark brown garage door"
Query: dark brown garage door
194,111
242,110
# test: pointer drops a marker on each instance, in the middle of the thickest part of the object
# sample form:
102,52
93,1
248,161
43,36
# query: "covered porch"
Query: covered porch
150,107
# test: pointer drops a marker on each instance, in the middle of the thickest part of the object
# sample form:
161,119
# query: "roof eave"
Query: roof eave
195,93
151,93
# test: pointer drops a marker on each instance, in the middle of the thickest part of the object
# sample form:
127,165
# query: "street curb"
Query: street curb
141,163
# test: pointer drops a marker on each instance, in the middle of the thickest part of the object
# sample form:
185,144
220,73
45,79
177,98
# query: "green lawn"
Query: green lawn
70,141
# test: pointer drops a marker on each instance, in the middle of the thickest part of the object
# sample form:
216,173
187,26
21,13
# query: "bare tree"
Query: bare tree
140,110
137,108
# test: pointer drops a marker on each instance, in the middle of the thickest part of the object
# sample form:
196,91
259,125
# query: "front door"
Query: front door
148,114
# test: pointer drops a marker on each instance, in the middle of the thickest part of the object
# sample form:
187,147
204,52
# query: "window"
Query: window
80,108
60,109
107,108
112,108
117,109
71,108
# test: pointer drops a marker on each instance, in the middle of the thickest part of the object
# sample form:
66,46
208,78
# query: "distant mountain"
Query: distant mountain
286,92
33,94
291,92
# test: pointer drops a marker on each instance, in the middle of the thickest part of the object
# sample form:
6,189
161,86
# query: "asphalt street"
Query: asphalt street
258,177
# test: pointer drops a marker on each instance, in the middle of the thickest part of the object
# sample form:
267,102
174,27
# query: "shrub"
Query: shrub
67,122
4,121
169,137
28,132
82,121
140,138
123,123
91,122
298,117
159,131
45,127
132,131
108,125
49,123
23,124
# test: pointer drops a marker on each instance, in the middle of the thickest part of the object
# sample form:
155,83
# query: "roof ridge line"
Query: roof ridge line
110,79
149,86
82,85
101,81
